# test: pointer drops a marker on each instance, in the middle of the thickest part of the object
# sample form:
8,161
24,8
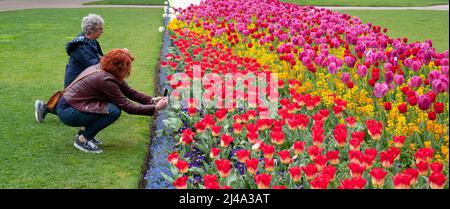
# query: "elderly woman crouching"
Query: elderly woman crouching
94,100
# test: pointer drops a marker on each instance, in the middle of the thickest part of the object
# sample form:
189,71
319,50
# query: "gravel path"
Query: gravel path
8,5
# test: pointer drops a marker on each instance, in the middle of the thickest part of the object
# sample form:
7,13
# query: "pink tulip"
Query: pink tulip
415,82
424,102
380,90
399,79
362,71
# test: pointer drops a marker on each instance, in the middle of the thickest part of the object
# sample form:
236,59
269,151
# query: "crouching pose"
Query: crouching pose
95,99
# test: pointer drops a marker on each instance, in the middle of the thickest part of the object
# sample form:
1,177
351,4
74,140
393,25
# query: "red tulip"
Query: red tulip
351,122
439,107
221,114
263,180
268,151
225,140
436,167
387,159
182,166
269,164
355,156
340,134
329,171
279,187
412,100
359,182
180,183
223,167
374,128
310,171
192,111
413,173
320,183
356,170
422,167
314,151
216,130
252,165
200,127
378,175
214,152
437,180
295,173
243,155
237,128
402,181
321,161
298,147
387,106
173,158
347,184
424,154
187,136
252,137
277,137
399,141
333,157
285,156
211,182
431,115
402,108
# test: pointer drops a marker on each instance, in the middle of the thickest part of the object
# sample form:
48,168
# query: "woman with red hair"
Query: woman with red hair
94,100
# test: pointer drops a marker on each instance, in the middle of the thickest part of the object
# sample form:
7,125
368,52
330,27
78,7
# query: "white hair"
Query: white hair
90,23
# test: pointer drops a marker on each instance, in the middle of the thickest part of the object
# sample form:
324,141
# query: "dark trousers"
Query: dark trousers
93,123
48,110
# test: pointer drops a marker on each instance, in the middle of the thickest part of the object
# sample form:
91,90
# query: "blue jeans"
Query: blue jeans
93,122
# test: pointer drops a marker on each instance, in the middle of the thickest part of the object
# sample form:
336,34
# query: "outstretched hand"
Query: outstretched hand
162,103
156,99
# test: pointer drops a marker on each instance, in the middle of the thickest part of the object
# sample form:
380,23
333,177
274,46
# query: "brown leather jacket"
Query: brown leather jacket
92,93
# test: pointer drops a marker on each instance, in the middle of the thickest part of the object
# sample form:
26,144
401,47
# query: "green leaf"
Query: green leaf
167,178
197,170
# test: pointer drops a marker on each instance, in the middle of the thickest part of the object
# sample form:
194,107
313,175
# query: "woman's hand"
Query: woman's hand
156,99
162,103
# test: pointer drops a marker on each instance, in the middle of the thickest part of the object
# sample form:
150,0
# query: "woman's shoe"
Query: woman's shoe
95,140
87,146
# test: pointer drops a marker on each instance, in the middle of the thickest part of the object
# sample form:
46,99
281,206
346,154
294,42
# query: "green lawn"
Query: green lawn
372,3
32,64
130,2
415,25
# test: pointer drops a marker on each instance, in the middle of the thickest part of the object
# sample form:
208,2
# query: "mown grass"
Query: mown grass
415,25
368,3
129,2
32,65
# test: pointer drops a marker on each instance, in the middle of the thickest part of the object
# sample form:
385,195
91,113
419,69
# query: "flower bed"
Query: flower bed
355,108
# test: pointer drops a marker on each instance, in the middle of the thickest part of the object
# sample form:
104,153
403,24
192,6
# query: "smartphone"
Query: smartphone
165,92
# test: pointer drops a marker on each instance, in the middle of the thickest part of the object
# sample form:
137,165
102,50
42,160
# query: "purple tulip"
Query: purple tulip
424,102
438,86
416,65
349,61
387,66
345,77
380,90
399,79
408,62
415,82
389,77
332,69
433,75
362,71
444,70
